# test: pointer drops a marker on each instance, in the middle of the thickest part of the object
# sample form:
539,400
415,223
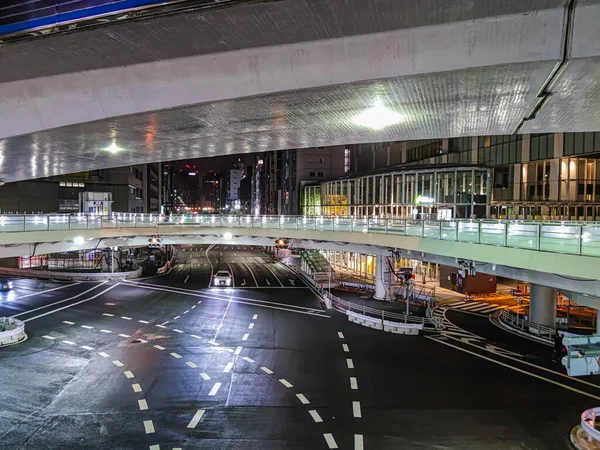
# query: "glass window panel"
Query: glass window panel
597,142
578,144
569,144
588,143
535,145
550,148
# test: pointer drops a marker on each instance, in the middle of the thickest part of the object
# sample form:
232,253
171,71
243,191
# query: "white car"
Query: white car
222,278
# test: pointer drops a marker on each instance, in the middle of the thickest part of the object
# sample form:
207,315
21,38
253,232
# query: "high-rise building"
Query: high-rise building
233,181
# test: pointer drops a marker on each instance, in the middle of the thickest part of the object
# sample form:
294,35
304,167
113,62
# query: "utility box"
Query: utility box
97,203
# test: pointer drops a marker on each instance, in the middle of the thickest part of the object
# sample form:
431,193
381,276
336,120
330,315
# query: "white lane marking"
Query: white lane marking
48,337
143,404
124,335
86,347
228,367
143,341
69,342
266,370
143,321
315,415
118,363
186,311
330,440
292,282
286,383
186,278
136,387
278,280
238,350
358,442
72,304
340,335
268,282
303,399
48,290
244,338
481,307
177,331
159,347
356,411
205,376
104,355
129,374
191,364
250,360
350,363
108,315
251,273
539,377
471,306
160,326
176,317
251,325
255,316
87,327
105,331
195,336
193,306
175,355
345,348
58,302
196,418
156,446
125,318
490,309
68,322
215,389
353,383
149,426
199,301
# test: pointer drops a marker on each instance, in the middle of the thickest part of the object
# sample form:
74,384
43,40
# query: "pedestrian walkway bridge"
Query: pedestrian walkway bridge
565,248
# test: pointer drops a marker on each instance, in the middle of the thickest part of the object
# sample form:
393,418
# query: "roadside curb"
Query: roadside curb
494,319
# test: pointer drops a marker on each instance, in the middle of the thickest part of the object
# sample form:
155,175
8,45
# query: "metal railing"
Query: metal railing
560,237
517,321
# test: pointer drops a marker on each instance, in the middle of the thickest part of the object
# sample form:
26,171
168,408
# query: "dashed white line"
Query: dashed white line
255,316
350,363
238,350
68,323
136,387
87,327
125,318
251,325
199,301
177,331
228,367
358,442
215,389
191,364
176,317
356,411
330,440
244,338
104,355
345,348
186,278
193,306
196,418
195,336
266,370
108,315
186,311
143,404
353,383
286,383
49,337
302,399
154,447
143,321
105,331
340,335
159,347
175,355
250,360
118,363
129,374
124,335
69,342
87,347
160,326
315,415
205,376
149,426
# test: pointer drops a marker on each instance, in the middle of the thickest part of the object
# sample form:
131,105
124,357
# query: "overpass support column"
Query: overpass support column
382,279
542,307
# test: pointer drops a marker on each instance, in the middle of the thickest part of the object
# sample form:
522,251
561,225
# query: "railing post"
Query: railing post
387,221
422,228
69,222
87,222
580,240
456,231
538,235
479,232
505,234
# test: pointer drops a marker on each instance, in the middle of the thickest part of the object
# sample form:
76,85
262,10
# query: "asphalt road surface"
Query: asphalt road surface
168,362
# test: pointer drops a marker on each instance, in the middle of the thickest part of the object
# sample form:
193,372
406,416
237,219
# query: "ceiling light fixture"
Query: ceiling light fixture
378,117
78,240
113,148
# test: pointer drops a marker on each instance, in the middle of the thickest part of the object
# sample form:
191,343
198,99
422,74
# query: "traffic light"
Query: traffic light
281,243
154,242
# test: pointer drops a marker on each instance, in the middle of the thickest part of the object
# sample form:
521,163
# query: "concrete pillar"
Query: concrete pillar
382,279
597,321
542,307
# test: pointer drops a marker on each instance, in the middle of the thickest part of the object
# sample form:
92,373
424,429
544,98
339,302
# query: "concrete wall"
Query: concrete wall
480,283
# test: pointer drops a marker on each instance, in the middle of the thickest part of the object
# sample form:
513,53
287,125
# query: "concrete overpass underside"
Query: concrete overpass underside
292,74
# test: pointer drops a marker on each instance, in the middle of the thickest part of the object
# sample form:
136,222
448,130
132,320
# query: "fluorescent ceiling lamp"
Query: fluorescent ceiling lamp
78,240
113,148
227,236
378,117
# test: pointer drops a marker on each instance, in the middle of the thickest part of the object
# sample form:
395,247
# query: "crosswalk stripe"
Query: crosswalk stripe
471,306
482,307
490,309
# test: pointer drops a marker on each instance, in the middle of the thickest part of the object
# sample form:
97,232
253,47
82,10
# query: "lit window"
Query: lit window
69,184
62,184
346,160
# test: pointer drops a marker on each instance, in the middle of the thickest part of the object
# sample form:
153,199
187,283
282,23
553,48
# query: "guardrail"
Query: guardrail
12,331
515,320
588,423
562,237
70,276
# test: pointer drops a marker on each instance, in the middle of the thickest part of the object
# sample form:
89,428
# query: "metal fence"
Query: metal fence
560,237
518,321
